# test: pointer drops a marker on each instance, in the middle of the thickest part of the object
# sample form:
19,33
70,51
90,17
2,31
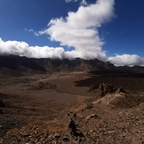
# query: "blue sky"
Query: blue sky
105,29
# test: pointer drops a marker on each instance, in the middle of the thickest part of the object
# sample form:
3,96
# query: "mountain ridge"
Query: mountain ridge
16,66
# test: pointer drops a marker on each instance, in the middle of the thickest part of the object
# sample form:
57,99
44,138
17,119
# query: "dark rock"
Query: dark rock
1,112
121,90
57,136
72,126
74,130
66,139
1,103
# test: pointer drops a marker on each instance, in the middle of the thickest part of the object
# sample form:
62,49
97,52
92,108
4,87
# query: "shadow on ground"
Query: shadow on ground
128,79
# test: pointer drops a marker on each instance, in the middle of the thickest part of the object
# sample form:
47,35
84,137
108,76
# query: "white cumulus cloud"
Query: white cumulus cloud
80,29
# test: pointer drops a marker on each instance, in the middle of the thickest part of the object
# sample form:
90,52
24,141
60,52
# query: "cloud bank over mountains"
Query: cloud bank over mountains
126,59
78,30
23,49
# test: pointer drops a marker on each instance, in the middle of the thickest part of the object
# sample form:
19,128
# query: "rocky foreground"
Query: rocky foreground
114,118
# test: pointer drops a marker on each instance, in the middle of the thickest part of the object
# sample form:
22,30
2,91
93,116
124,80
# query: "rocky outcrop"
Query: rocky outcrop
106,88
117,97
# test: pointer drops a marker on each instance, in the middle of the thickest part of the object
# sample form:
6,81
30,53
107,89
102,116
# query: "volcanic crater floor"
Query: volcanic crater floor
68,108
